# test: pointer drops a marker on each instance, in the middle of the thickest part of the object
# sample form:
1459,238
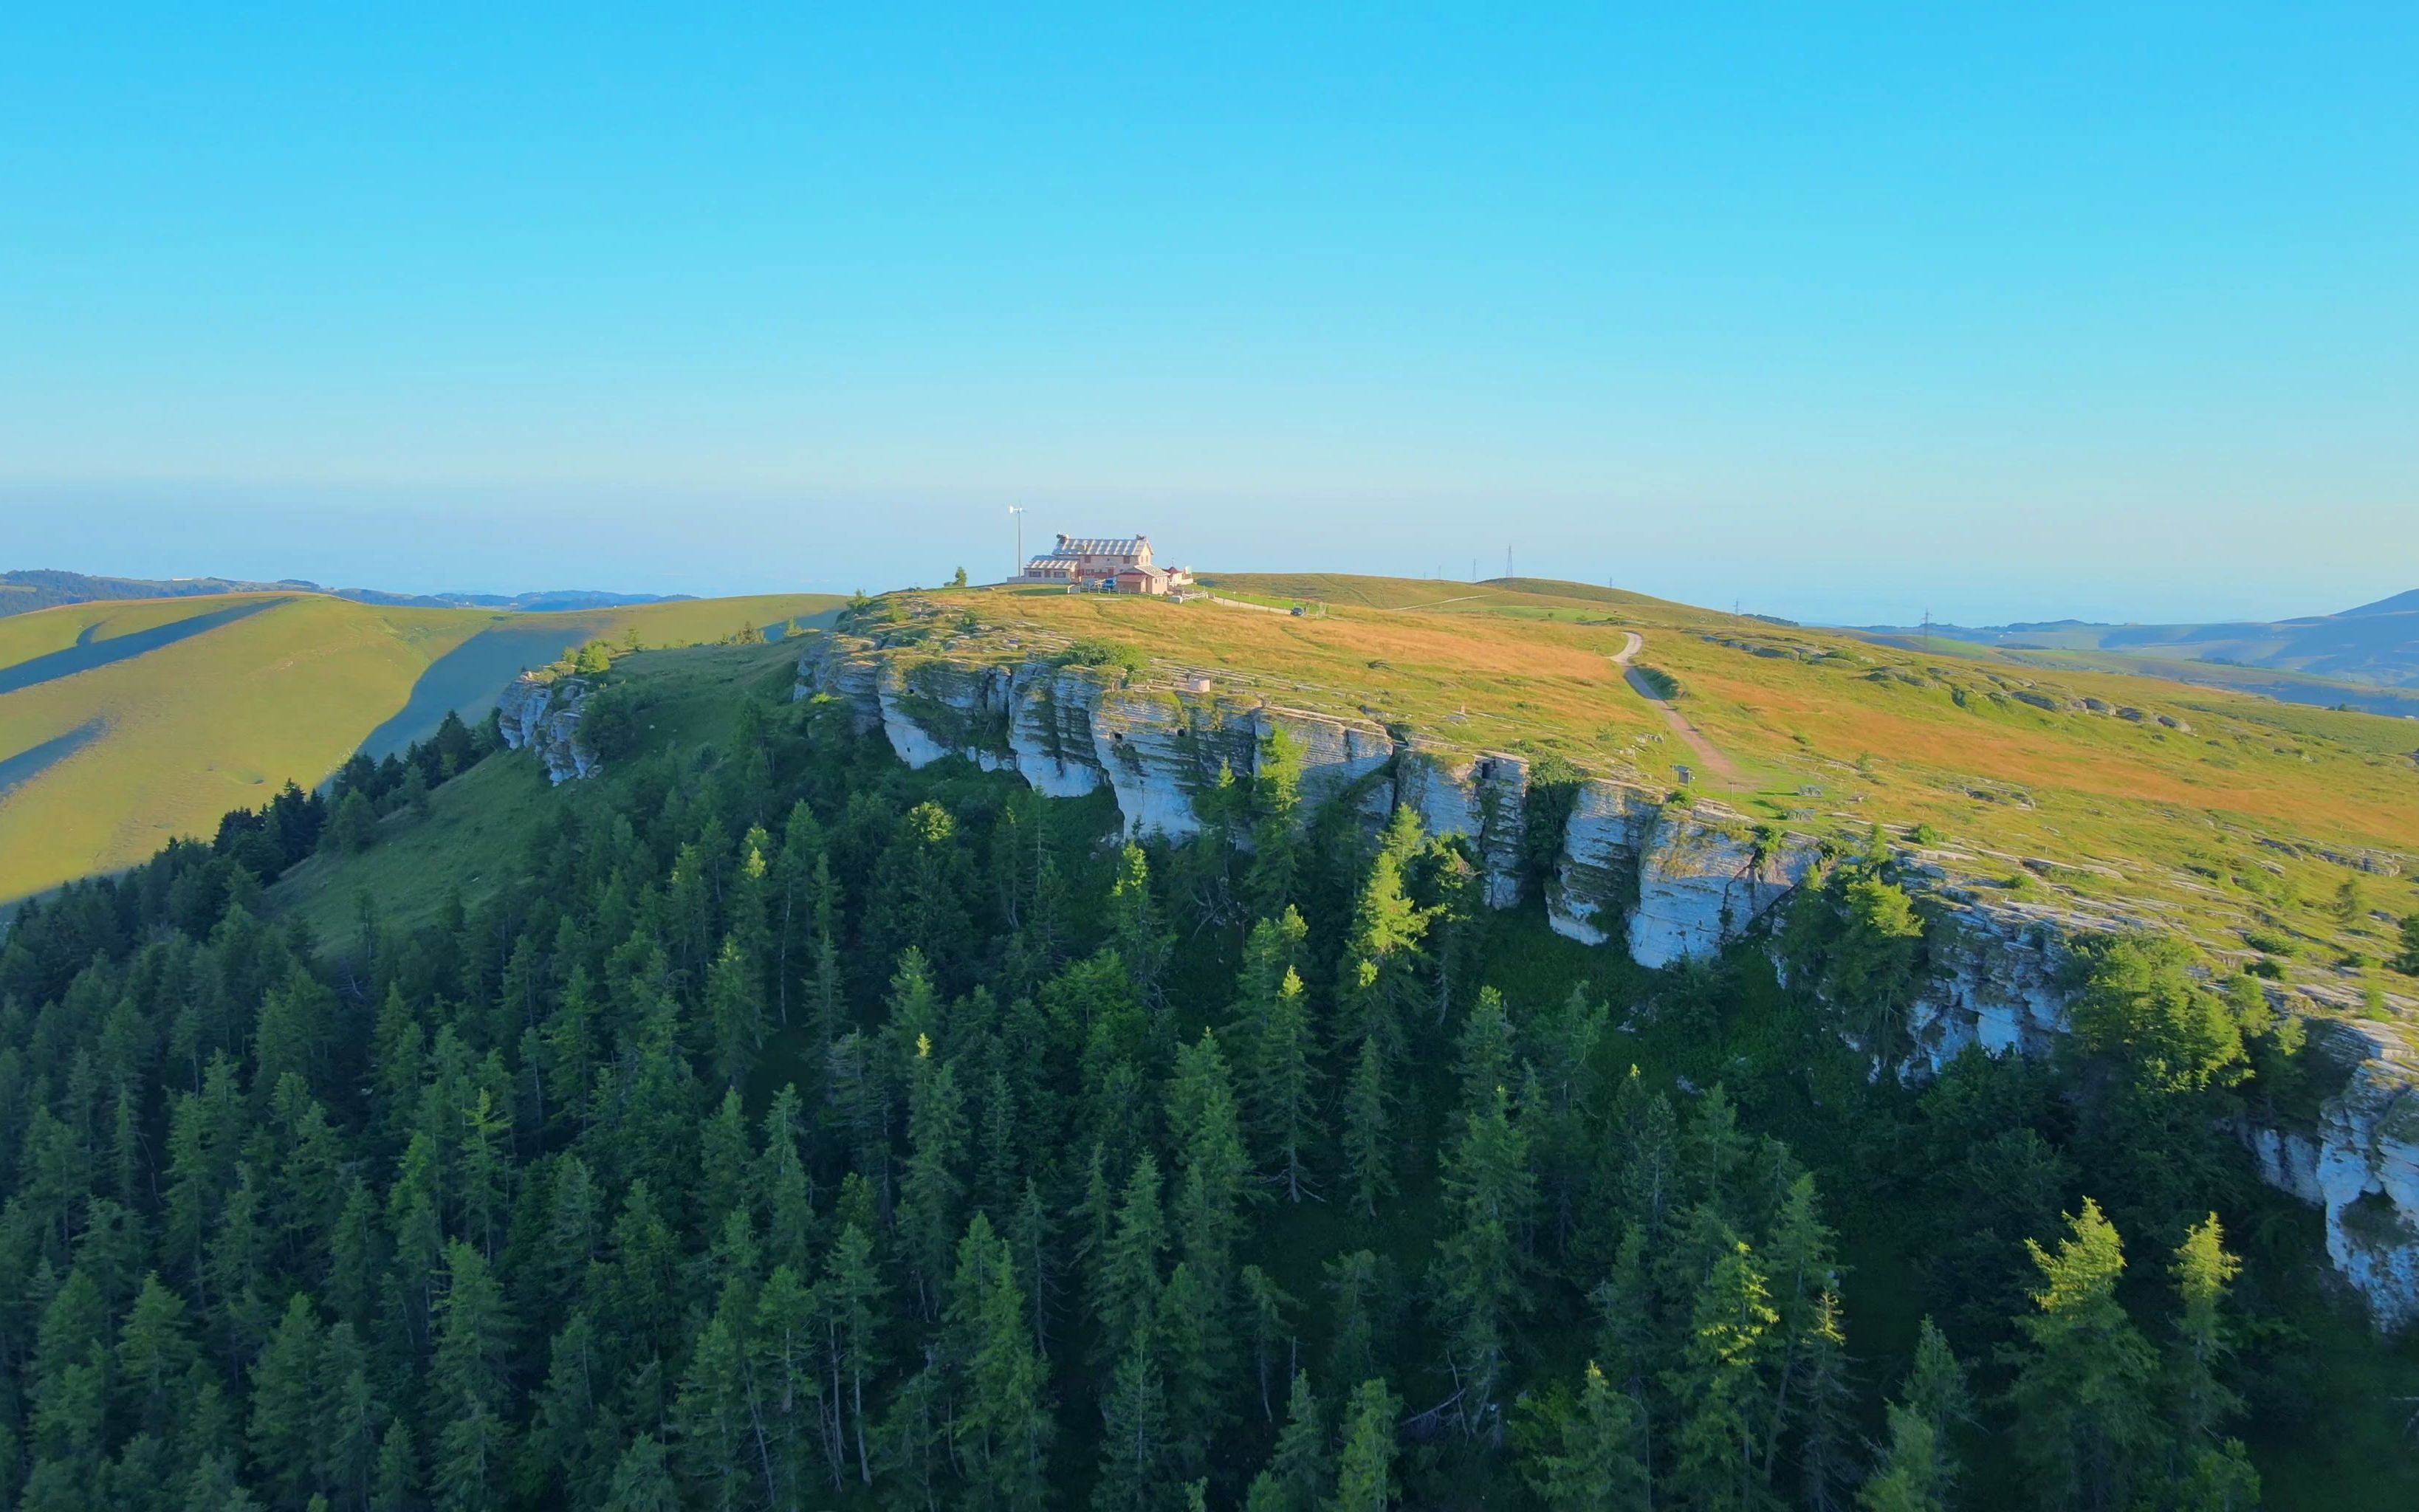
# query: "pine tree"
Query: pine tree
712,1414
930,1191
2083,1374
1368,1117
735,1008
1490,1196
1127,1297
852,1293
1599,1465
1141,938
1377,977
642,1482
1003,1432
1298,1467
1276,799
2203,1272
284,1401
1364,1471
1283,1090
1212,1168
1136,1471
155,1354
1719,1387
1919,1468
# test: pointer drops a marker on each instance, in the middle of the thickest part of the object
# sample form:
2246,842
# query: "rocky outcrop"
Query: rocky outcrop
1677,883
541,712
1704,879
2363,1161
2001,981
1484,798
1999,978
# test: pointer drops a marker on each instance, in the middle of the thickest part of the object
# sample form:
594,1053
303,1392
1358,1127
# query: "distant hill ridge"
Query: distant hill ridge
2375,643
21,592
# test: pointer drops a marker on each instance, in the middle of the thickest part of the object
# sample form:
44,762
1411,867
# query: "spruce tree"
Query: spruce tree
2083,1374
1365,1469
1599,1464
1368,1132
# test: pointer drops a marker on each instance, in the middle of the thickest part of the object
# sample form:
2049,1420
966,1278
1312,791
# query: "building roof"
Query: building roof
1101,546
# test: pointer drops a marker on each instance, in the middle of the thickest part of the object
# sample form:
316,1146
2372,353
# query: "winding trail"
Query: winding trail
1719,765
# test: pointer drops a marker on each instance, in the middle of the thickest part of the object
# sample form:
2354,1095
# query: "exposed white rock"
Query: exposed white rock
1483,798
1703,879
542,714
1998,981
1596,878
2367,1166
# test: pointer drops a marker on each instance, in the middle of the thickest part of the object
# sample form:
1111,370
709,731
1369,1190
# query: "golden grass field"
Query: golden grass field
102,763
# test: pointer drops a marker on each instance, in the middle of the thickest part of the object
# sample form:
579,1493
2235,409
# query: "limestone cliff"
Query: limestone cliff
2000,980
1680,883
541,712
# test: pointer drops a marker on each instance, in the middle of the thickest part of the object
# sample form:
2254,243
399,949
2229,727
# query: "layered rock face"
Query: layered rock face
2362,1163
542,714
1701,882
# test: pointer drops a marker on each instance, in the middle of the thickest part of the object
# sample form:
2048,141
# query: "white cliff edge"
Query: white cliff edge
542,714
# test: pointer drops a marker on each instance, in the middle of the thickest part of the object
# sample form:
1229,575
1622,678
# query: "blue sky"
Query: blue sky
1833,311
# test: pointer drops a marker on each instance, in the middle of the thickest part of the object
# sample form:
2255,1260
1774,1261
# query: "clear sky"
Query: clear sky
1834,312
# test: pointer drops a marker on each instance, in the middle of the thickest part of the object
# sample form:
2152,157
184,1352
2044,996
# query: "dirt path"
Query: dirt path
1716,765
1236,603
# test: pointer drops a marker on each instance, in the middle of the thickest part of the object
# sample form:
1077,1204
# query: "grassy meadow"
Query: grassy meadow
126,723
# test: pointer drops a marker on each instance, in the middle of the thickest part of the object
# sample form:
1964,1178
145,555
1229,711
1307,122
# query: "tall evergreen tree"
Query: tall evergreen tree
2083,1374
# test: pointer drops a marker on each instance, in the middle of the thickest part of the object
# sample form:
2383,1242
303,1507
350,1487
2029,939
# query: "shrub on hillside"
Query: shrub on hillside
612,721
1095,652
2409,959
1664,685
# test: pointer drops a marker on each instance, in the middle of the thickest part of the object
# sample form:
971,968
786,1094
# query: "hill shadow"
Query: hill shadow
88,654
466,680
31,762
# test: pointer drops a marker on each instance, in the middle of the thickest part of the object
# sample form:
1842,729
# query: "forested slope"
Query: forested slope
773,1126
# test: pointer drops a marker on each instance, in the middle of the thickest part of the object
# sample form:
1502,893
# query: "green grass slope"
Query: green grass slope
126,723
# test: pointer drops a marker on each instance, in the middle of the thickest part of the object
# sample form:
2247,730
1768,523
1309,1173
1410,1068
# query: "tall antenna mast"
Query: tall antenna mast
1507,558
1016,568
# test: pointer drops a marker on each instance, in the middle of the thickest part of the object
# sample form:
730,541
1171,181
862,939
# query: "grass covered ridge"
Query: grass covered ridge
125,723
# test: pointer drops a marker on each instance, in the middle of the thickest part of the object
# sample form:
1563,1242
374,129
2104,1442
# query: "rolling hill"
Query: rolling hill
2375,643
124,723
23,592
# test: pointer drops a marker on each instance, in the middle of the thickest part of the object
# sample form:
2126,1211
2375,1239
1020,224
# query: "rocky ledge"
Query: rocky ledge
541,712
1677,881
2001,981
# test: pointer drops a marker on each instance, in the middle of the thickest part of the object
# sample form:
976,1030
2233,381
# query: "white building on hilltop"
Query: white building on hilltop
1103,563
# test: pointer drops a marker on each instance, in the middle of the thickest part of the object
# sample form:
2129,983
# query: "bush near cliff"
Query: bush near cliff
2409,959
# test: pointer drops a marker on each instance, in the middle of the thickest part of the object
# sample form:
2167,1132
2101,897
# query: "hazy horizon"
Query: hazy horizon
1840,316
